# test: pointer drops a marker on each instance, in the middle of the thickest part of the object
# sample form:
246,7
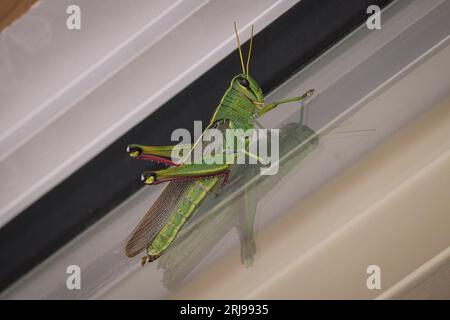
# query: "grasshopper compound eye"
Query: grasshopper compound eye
244,82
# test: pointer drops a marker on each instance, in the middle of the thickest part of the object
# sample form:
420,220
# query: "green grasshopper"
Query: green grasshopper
189,184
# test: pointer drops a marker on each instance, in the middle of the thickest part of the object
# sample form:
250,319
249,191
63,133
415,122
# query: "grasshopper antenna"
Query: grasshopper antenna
249,51
239,46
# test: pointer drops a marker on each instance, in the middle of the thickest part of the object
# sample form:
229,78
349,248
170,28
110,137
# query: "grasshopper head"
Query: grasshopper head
246,85
243,83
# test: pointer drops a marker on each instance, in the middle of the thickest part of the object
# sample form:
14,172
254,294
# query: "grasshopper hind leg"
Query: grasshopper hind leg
157,154
186,172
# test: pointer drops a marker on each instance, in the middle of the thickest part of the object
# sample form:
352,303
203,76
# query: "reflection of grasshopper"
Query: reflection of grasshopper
236,207
191,183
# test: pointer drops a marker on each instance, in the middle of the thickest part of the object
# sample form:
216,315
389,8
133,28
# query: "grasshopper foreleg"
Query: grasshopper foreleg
268,107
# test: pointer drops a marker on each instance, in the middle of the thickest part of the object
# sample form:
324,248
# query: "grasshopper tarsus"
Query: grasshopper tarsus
144,260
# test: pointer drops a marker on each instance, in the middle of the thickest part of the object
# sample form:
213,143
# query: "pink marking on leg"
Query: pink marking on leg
158,159
226,176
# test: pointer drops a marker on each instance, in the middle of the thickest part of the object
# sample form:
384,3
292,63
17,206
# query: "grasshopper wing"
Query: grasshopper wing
156,217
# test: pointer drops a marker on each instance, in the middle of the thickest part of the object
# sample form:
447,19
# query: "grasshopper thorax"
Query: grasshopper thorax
240,103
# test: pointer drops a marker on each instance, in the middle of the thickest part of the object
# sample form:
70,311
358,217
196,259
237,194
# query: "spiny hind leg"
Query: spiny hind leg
160,154
186,172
